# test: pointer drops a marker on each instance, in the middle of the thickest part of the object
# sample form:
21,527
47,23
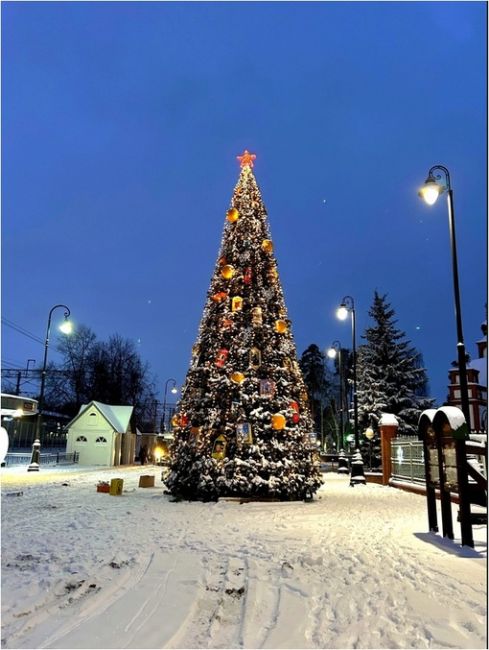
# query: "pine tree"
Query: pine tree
389,373
242,426
314,372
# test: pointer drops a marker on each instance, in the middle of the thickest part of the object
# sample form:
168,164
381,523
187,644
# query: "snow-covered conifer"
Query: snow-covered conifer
243,424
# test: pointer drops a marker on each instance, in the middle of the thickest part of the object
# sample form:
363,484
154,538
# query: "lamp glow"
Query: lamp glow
174,390
331,353
66,327
431,190
342,312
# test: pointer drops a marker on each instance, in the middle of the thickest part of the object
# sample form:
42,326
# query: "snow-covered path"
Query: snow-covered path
353,569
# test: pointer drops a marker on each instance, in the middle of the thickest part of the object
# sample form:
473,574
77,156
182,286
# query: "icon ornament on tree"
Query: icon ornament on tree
219,448
221,357
247,275
237,377
255,358
256,315
267,388
267,245
243,433
237,303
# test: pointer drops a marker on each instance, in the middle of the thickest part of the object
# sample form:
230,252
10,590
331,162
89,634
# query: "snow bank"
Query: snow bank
355,568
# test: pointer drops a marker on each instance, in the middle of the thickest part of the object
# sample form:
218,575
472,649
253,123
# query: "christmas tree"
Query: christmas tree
243,426
389,373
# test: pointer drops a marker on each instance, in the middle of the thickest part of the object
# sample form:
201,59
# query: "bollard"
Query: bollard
342,463
357,476
36,454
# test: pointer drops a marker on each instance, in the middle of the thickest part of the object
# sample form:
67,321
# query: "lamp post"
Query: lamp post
174,390
66,328
348,306
334,350
430,192
369,434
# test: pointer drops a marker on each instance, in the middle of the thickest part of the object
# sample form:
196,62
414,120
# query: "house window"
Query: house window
81,439
101,439
92,419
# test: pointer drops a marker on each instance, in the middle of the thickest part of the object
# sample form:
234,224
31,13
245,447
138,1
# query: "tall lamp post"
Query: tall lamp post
334,350
173,390
348,307
66,328
430,192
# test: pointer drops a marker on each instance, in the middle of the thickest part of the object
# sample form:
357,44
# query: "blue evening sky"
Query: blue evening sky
121,122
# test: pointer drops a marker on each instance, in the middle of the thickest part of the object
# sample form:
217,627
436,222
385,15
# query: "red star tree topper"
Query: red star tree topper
246,159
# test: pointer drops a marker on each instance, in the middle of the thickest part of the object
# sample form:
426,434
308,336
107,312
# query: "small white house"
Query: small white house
102,435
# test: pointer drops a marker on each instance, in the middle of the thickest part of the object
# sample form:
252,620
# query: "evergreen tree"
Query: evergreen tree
389,373
242,426
314,371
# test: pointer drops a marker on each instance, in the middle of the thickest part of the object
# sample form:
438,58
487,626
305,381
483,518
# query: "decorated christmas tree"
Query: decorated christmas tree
243,426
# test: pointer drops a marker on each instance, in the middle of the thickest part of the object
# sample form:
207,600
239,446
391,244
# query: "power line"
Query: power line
21,330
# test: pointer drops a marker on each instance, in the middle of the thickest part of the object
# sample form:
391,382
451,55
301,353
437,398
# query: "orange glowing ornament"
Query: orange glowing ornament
220,296
280,326
278,422
232,215
237,377
267,245
227,271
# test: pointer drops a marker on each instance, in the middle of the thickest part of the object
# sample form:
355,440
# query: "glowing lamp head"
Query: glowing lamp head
174,390
342,312
430,191
332,353
369,433
66,326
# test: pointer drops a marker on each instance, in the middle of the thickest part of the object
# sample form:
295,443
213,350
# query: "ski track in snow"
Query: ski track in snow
87,570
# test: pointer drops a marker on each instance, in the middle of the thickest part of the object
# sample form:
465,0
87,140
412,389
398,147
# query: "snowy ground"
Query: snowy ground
353,569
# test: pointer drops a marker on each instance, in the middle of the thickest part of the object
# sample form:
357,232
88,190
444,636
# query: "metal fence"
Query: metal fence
56,458
407,460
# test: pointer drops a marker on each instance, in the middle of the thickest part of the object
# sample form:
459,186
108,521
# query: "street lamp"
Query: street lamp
334,350
430,192
66,327
348,306
173,390
369,434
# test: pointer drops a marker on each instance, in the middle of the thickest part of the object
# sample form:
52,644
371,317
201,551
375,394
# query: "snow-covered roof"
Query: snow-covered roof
388,419
454,415
429,413
117,416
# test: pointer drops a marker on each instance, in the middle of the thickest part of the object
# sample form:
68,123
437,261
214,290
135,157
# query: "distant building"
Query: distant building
102,435
477,385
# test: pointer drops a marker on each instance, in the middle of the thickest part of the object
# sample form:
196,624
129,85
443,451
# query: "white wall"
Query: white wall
93,427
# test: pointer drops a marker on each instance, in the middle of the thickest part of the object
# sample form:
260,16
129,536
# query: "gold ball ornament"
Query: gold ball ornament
232,215
237,377
227,271
267,245
175,421
280,326
278,422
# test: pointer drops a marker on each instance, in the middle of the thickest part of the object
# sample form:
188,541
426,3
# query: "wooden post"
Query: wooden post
388,426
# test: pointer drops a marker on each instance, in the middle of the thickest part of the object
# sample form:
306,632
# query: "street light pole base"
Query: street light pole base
33,467
357,476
